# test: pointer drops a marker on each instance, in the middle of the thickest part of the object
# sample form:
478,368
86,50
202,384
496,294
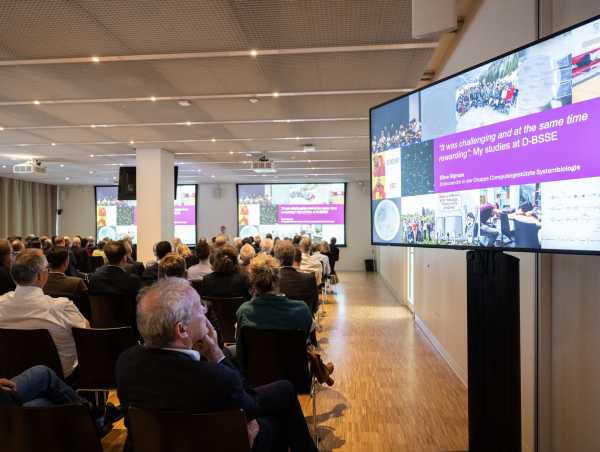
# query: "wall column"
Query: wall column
155,199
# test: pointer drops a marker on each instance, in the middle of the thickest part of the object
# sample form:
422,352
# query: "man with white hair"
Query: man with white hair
266,246
27,308
166,373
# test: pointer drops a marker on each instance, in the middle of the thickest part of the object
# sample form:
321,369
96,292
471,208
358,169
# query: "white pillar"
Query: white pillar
155,199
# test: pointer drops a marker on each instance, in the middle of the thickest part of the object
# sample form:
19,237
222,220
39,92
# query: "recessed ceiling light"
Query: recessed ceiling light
199,170
95,59
230,152
297,138
53,144
253,100
310,161
184,103
1,129
93,126
115,178
131,142
120,164
188,123
275,94
213,140
91,172
67,178
3,166
92,155
253,53
248,155
36,102
212,175
153,99
288,121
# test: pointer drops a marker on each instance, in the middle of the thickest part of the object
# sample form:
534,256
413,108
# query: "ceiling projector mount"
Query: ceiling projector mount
33,166
263,165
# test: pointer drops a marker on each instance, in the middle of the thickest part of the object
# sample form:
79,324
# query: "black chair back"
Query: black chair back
82,302
161,431
22,349
111,311
225,310
53,429
271,355
95,263
97,353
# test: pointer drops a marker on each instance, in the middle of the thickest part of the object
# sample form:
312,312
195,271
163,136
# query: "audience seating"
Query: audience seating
162,431
53,429
81,301
110,311
271,355
97,353
22,349
225,310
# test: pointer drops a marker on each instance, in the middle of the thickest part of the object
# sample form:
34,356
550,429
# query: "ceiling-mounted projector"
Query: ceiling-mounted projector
30,167
263,165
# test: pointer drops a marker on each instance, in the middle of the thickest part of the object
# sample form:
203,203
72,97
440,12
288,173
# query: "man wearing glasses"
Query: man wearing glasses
27,307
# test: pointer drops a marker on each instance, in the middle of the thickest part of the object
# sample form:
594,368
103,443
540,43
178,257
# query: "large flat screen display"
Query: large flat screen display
116,219
505,155
285,210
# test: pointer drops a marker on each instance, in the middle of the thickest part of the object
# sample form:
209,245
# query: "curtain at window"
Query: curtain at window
27,208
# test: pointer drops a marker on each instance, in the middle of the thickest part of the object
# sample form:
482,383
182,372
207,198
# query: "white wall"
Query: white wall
217,206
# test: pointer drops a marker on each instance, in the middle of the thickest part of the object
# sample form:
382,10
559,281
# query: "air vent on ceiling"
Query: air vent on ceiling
30,167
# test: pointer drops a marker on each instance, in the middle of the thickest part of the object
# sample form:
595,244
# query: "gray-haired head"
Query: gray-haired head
28,264
161,306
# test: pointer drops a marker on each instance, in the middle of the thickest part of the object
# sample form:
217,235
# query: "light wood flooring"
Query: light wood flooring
392,392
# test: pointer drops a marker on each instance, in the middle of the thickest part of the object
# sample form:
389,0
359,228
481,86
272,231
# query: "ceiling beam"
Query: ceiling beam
252,53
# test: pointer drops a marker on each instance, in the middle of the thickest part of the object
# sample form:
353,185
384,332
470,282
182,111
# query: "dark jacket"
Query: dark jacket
113,280
299,285
166,380
6,282
60,285
150,274
82,258
225,285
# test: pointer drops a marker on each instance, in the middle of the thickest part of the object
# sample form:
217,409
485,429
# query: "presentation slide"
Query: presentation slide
285,210
502,155
116,219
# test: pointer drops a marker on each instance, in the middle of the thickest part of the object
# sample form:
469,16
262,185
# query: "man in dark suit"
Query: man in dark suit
166,373
113,280
295,284
6,282
61,285
161,249
79,251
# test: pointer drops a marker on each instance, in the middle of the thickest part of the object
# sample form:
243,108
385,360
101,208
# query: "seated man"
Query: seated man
294,283
28,308
39,386
166,373
6,282
172,265
58,284
161,249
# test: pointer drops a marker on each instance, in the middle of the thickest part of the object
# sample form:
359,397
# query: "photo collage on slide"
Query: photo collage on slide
286,210
117,219
498,156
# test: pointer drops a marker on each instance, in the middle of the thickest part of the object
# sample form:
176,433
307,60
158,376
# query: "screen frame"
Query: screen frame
456,74
237,203
103,186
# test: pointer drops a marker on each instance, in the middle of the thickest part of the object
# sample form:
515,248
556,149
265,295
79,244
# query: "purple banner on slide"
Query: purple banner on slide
310,214
552,145
185,215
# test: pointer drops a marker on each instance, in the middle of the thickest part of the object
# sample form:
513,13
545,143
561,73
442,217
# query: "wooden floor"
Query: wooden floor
392,392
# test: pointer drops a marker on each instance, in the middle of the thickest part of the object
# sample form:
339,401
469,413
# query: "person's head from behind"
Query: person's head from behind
30,268
17,246
76,242
35,243
305,245
172,265
115,253
59,240
220,241
183,250
315,248
269,236
161,249
225,260
266,246
203,250
264,274
68,241
333,241
58,258
169,314
324,247
5,253
223,229
296,240
128,248
247,253
285,251
237,243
